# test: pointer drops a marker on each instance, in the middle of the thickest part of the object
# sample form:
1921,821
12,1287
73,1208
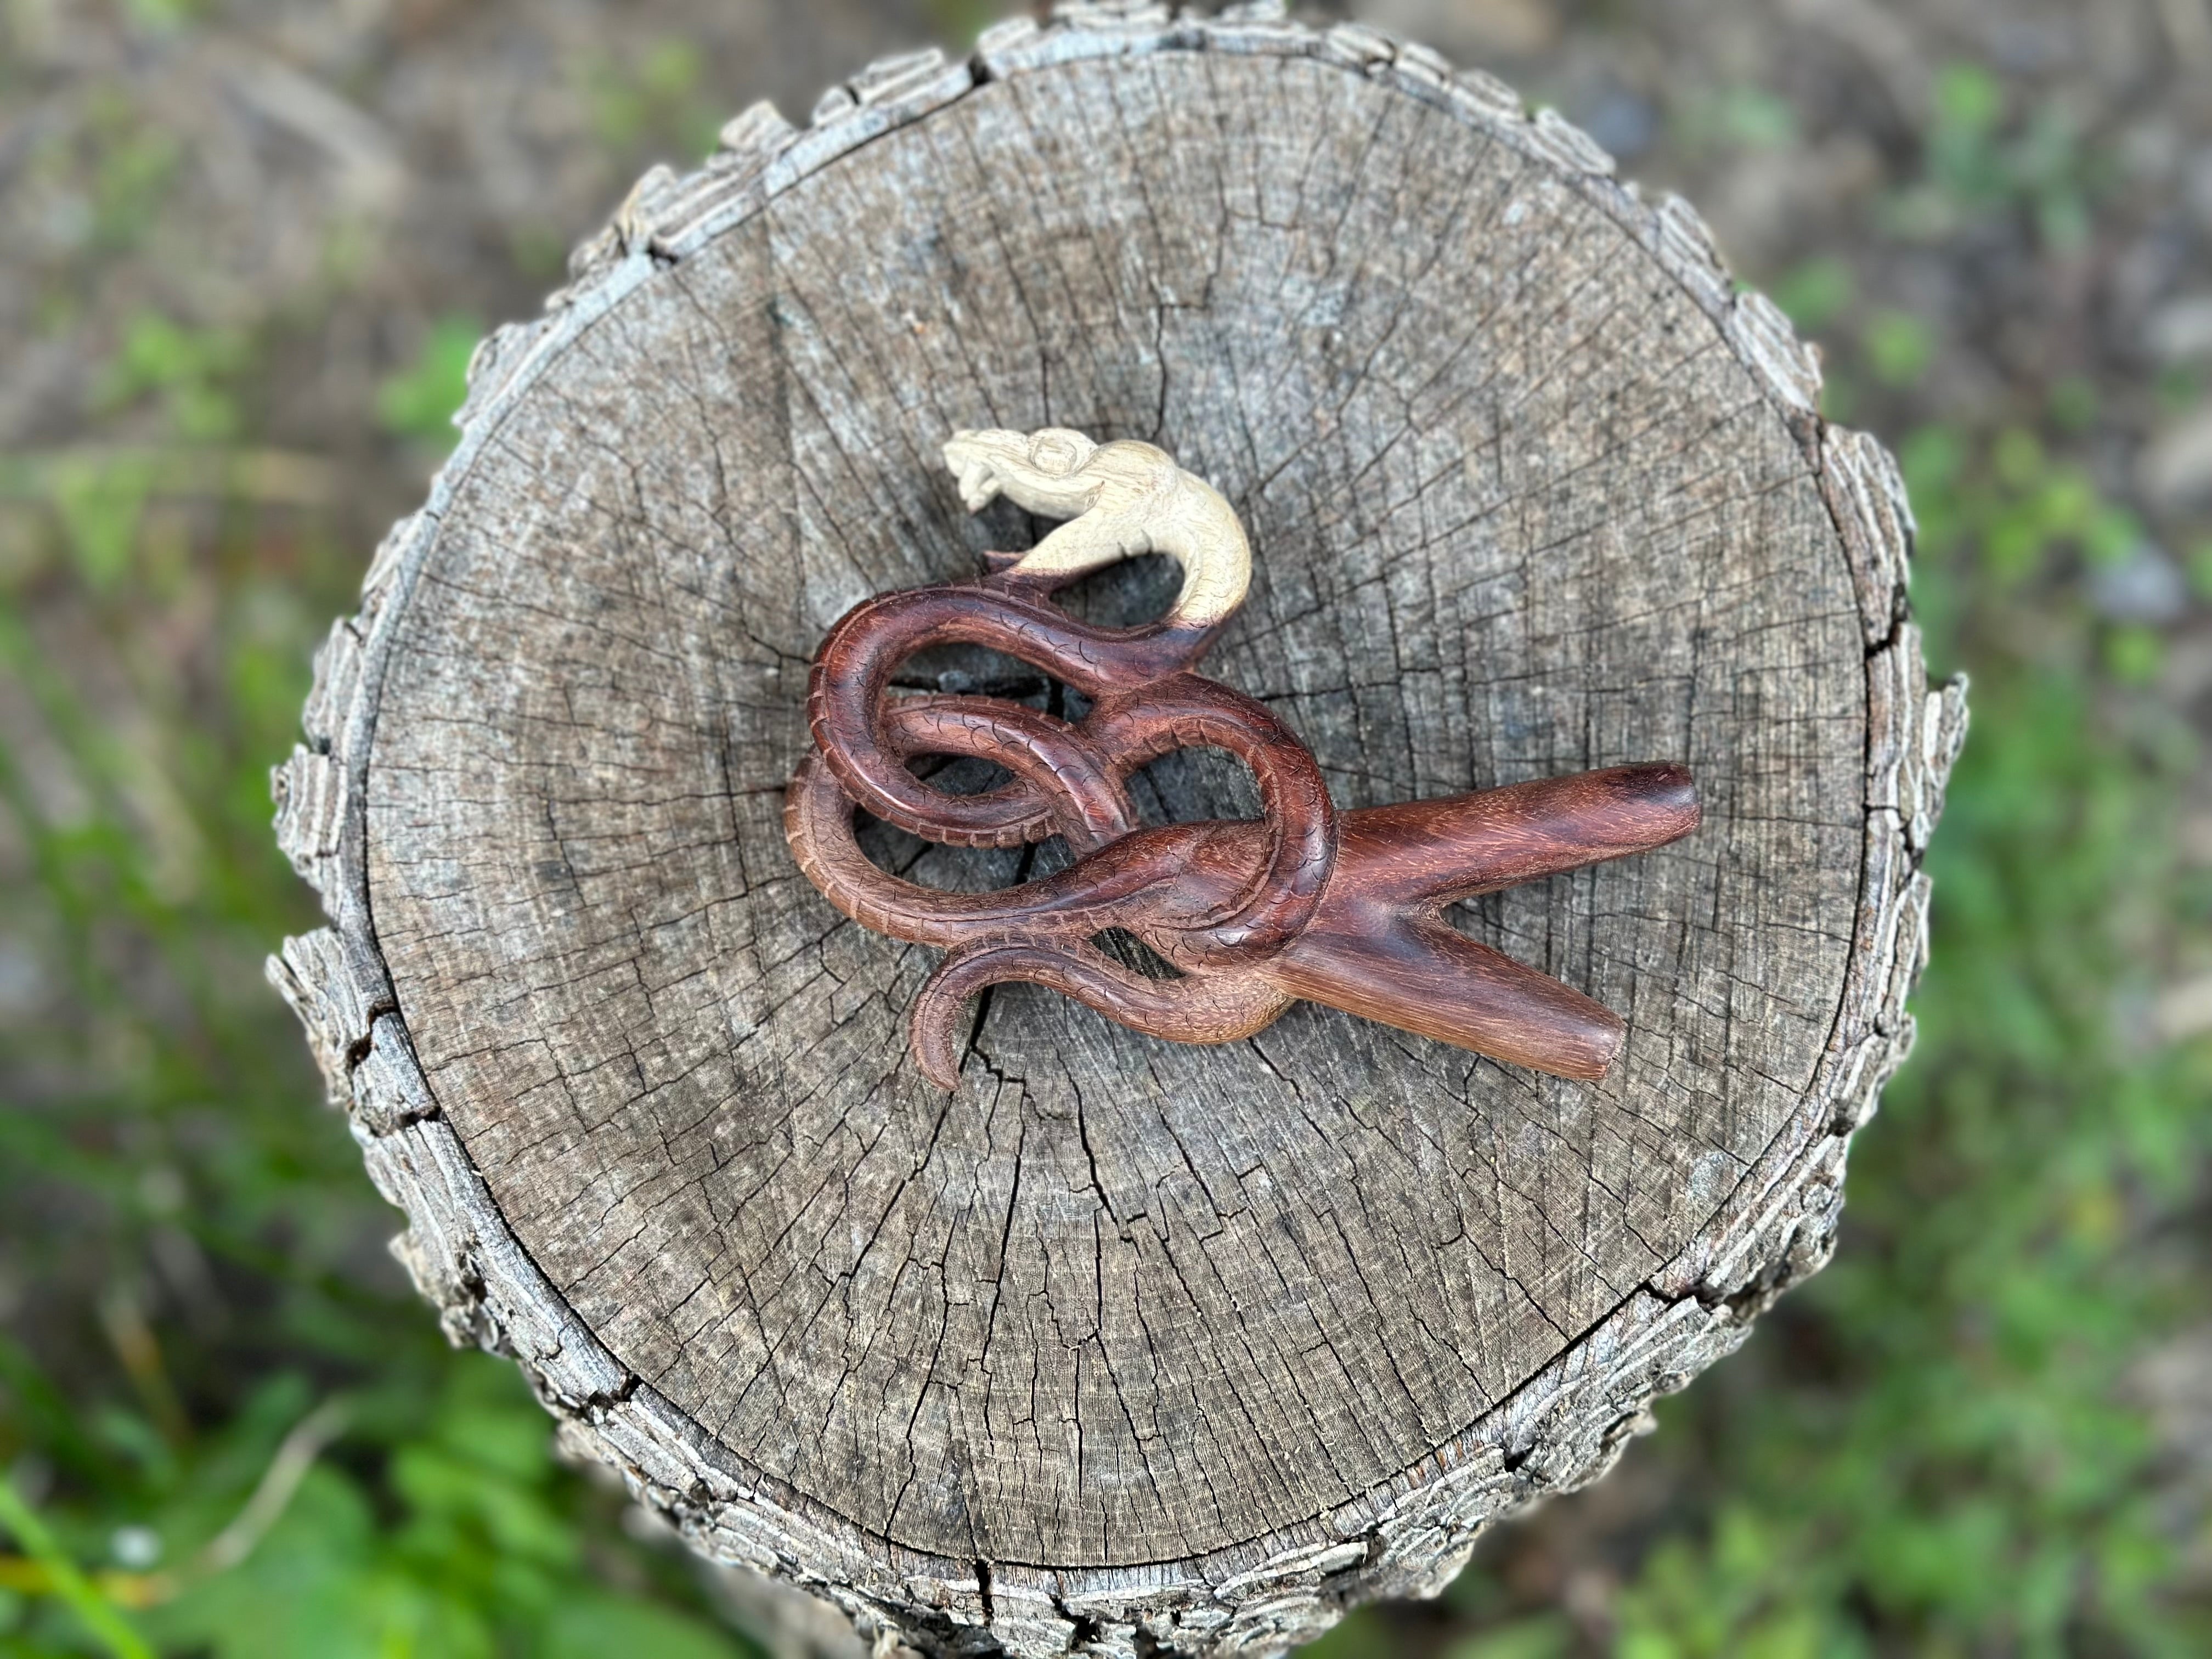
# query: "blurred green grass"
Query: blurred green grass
229,1430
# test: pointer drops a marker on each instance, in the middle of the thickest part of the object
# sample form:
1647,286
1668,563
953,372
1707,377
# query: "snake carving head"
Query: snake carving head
1123,498
1046,471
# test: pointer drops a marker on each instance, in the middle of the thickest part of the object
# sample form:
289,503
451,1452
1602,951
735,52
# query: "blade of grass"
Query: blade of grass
278,1482
98,1614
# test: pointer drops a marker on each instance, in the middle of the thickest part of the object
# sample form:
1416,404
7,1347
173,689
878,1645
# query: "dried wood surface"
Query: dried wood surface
1124,1346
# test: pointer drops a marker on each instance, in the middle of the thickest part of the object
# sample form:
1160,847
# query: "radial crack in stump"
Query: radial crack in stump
1123,1343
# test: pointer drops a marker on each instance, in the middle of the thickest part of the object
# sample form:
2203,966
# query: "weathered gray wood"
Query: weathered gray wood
1125,1346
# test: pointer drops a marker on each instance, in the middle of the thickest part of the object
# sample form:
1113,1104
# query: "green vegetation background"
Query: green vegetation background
227,1429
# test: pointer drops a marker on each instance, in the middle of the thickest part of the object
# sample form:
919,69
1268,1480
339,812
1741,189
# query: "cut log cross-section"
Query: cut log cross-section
1124,1345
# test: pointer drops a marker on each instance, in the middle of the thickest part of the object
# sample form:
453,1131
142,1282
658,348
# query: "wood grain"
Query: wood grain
1126,1347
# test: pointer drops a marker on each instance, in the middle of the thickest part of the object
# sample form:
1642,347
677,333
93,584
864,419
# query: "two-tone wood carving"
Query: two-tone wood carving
1254,915
1124,1346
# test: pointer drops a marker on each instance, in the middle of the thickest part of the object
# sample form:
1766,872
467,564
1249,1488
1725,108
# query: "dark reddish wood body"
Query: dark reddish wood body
1299,904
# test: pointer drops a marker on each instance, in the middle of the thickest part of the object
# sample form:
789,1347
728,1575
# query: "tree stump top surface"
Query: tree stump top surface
1122,1331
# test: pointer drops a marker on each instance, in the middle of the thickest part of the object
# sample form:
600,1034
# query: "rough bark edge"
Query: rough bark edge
1562,1428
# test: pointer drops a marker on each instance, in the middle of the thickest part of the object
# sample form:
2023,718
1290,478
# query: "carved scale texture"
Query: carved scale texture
1123,1343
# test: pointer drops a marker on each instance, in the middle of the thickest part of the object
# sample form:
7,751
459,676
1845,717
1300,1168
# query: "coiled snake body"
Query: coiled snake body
1304,902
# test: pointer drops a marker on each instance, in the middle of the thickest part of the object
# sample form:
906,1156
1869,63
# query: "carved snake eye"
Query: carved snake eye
1057,453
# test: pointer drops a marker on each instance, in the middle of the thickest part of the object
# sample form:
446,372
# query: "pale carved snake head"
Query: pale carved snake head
1046,471
1125,498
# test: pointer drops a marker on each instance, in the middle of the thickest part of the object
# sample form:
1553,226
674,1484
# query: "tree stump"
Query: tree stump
1124,1346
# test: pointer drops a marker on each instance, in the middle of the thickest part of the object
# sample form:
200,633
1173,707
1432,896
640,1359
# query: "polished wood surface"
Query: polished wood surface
1301,904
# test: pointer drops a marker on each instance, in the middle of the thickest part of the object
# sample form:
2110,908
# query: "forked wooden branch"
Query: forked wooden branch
1254,916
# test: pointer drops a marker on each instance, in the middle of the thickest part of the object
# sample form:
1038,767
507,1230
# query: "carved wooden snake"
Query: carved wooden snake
1304,902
